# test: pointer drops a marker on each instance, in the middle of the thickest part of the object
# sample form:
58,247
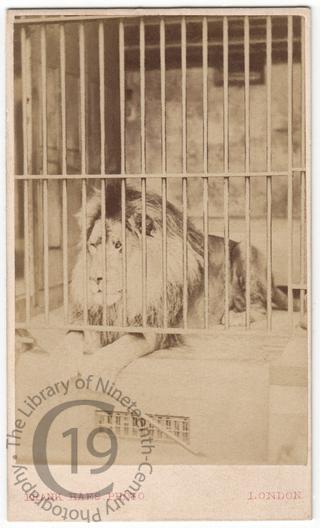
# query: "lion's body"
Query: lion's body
113,274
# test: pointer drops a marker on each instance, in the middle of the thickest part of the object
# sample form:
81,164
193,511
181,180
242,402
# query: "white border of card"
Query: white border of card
173,492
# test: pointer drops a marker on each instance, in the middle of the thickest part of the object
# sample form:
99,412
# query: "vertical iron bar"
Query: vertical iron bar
142,97
302,241
269,168
43,44
164,169
28,89
26,248
46,251
83,167
184,92
290,173
102,166
25,173
103,244
302,176
28,93
185,257
64,171
122,96
82,98
226,167
124,251
63,98
163,94
24,101
247,161
65,248
205,167
184,168
123,169
38,212
143,170
102,97
84,248
44,97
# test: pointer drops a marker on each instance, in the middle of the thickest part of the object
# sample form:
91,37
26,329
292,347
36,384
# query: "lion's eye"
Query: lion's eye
92,249
117,244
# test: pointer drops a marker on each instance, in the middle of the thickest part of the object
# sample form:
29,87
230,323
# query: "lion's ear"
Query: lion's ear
113,203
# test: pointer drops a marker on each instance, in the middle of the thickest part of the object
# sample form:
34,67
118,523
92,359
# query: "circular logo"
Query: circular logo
40,440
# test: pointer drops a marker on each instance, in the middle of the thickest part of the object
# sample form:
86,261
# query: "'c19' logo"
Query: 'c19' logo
39,447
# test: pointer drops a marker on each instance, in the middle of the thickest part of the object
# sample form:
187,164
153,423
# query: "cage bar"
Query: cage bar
142,97
121,178
83,168
144,251
269,168
65,248
163,95
226,169
290,172
143,169
102,96
82,98
27,278
43,52
163,168
219,330
122,99
123,170
103,246
63,99
124,251
302,175
29,99
84,249
185,256
247,162
184,168
157,175
43,44
302,243
164,250
205,167
62,47
184,93
46,250
102,165
129,22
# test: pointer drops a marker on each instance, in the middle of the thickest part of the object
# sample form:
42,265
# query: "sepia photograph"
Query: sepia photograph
160,224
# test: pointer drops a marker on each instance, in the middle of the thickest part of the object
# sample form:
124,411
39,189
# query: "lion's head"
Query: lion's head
114,260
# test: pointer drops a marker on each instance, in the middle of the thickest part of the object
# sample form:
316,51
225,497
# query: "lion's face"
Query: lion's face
96,263
113,262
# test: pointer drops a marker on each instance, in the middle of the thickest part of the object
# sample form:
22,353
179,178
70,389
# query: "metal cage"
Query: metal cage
33,179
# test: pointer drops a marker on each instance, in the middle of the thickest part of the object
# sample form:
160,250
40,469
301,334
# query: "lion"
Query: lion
128,347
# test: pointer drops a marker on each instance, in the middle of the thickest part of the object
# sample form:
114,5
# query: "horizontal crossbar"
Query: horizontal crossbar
219,329
261,174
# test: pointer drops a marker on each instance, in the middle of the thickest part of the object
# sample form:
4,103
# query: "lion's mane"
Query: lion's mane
174,263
